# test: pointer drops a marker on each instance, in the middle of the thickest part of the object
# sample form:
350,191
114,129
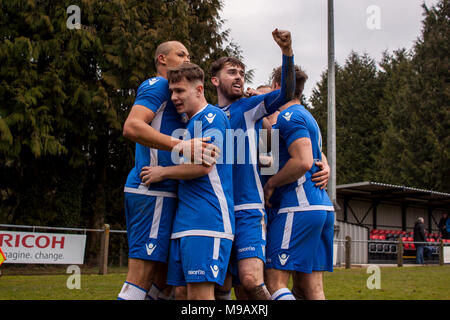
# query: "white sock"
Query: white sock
283,294
131,292
153,293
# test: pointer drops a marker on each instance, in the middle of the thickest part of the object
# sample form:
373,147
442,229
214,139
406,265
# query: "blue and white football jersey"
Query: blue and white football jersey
205,204
294,123
154,94
246,119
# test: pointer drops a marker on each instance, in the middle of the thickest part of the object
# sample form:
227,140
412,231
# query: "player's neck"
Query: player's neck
224,101
161,72
290,103
197,108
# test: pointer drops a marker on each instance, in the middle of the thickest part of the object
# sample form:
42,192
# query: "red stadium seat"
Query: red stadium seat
413,247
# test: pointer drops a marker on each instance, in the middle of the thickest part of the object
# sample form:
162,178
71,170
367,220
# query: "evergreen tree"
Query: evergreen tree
65,94
358,119
418,136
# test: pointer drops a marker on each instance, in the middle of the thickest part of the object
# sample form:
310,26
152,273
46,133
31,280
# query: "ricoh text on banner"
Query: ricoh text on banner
42,248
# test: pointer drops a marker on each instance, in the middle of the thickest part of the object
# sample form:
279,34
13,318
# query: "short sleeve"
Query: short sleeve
153,93
292,126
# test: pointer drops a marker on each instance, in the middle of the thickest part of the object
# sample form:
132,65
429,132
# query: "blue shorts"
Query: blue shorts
250,234
249,238
149,226
198,259
301,241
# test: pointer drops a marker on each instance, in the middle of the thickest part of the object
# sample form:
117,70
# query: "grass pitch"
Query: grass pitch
406,283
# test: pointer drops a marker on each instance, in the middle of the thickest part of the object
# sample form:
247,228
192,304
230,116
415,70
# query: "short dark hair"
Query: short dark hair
264,86
190,71
300,79
217,65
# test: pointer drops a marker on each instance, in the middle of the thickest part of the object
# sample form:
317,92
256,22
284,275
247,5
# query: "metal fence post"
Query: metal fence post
400,253
104,251
441,253
348,252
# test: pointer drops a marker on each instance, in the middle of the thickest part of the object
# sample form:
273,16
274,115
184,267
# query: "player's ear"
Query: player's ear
215,81
162,59
199,89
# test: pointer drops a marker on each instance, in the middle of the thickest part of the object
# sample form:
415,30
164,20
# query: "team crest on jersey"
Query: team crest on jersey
228,114
287,116
210,117
215,270
184,118
283,258
150,248
152,81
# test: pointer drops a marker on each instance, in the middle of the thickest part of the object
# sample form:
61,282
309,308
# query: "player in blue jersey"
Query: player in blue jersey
245,114
300,231
203,228
321,177
149,211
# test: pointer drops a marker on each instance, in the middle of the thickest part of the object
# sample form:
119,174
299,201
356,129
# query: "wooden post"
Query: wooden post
441,253
348,252
104,251
400,252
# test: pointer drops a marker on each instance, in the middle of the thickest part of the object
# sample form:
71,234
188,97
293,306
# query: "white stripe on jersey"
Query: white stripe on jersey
156,124
309,208
251,117
204,233
248,206
214,178
144,190
301,195
156,218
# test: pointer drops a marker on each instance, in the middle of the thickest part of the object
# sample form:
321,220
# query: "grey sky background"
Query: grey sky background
251,23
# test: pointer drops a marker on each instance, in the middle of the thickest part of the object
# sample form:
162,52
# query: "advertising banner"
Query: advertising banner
42,248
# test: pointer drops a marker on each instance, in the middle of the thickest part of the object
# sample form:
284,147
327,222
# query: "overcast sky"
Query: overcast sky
371,26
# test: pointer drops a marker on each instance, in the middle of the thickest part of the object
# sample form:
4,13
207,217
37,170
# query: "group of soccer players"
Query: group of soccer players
195,228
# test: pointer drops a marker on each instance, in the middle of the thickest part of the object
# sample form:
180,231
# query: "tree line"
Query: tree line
393,117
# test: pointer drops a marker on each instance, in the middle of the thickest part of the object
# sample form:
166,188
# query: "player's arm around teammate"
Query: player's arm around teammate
204,226
150,123
300,233
321,177
137,125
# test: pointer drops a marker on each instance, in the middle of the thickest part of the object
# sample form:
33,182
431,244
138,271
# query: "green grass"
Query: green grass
410,283
406,283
